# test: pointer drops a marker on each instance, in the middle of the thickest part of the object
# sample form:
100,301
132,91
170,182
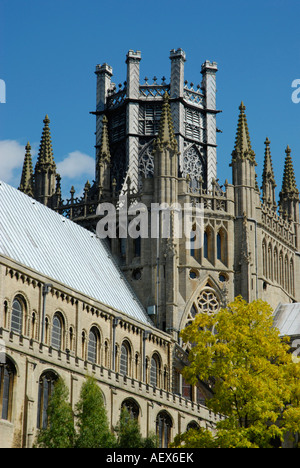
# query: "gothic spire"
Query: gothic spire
289,195
268,178
26,184
45,169
103,165
104,152
46,153
289,186
242,147
166,135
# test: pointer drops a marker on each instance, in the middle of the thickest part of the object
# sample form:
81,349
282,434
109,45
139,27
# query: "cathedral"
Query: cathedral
76,304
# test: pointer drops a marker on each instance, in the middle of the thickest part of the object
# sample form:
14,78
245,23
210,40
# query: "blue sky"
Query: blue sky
49,50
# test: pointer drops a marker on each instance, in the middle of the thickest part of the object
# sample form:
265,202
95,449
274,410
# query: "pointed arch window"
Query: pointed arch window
276,273
46,387
222,245
5,314
286,274
281,275
205,245
17,316
163,429
208,244
292,281
7,376
125,359
132,407
93,345
57,332
155,371
270,263
264,258
219,246
194,244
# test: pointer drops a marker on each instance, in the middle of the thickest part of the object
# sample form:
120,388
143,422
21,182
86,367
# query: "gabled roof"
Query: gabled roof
46,242
287,319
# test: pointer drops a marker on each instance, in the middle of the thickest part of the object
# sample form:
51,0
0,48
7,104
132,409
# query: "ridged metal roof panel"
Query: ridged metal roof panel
39,238
287,319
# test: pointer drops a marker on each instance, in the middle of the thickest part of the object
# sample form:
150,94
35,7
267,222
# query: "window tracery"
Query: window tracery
206,303
192,165
146,161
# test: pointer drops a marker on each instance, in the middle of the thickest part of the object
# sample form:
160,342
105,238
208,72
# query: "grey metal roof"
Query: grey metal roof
38,238
287,319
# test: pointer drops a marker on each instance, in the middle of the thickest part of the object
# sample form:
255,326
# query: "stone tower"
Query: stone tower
133,112
156,145
162,147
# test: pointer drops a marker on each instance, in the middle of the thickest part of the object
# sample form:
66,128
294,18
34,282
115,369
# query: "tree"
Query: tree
254,382
60,432
92,422
129,435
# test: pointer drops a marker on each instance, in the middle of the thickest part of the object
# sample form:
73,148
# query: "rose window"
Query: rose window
206,303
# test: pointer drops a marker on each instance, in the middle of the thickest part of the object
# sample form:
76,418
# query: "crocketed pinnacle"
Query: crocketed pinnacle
289,186
268,172
26,184
242,147
104,152
166,135
46,153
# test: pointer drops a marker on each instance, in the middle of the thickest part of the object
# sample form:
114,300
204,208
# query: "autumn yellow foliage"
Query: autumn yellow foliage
250,370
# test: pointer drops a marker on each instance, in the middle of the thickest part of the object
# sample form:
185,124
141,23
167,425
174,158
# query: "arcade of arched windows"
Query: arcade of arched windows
212,247
90,344
278,266
44,390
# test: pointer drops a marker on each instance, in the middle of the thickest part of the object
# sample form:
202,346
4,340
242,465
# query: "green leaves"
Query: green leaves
92,426
256,384
60,432
92,422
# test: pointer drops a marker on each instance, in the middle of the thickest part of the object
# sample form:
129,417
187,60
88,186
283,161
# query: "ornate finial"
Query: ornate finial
26,184
166,135
104,153
268,178
46,152
289,181
242,148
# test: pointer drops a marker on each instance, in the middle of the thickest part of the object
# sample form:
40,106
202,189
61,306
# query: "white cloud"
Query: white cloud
12,155
76,164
